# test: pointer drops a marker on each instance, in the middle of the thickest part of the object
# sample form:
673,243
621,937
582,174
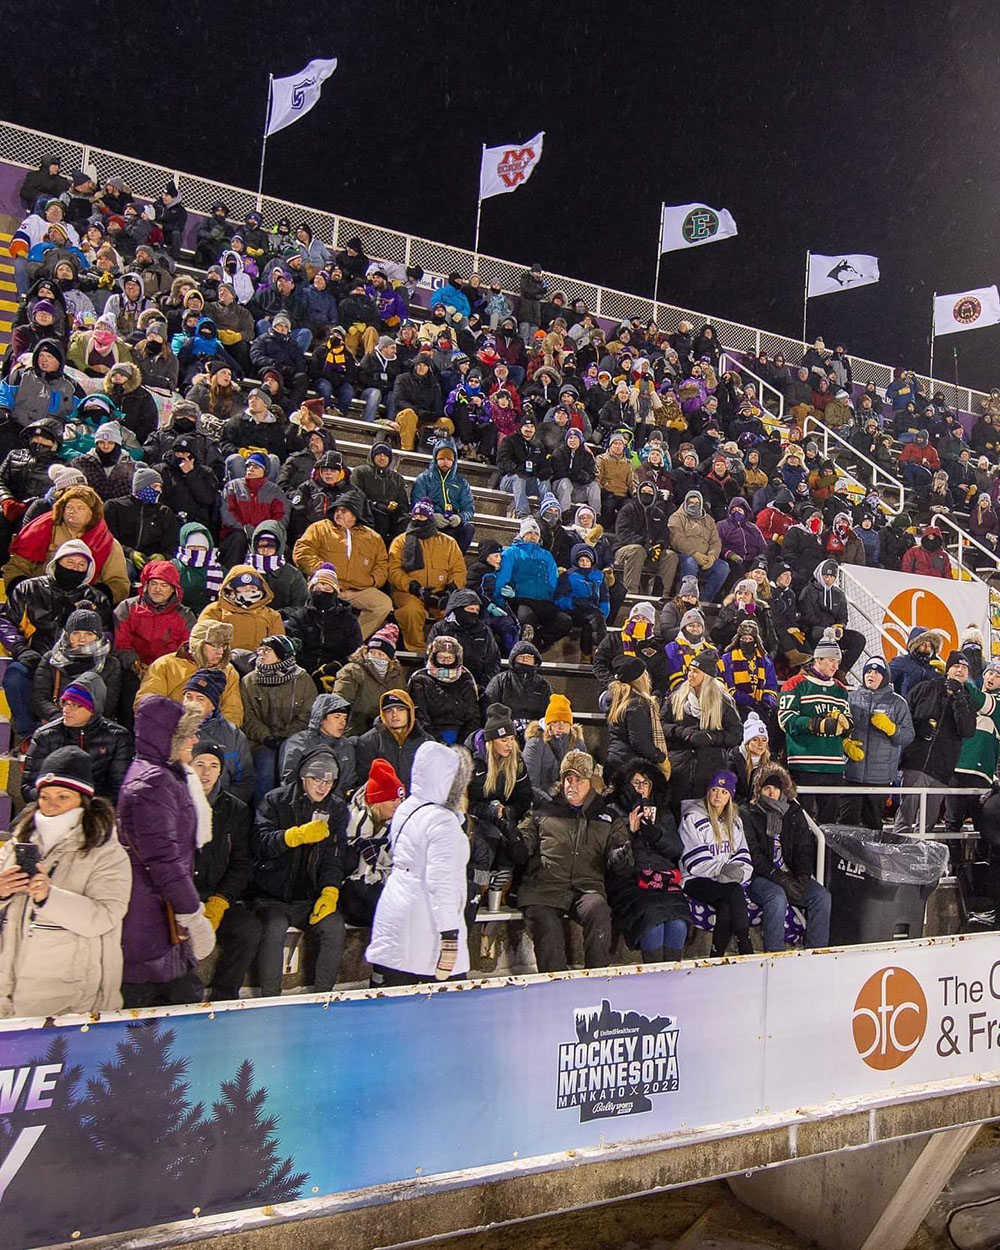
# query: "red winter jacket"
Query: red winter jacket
246,503
926,563
151,631
773,523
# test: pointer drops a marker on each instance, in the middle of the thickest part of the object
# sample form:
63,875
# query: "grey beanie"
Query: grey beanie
689,588
145,476
692,616
109,432
828,648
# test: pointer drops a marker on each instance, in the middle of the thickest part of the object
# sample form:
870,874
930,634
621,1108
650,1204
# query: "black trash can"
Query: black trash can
880,883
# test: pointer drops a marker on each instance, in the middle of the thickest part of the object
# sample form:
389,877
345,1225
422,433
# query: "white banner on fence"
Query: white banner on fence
928,602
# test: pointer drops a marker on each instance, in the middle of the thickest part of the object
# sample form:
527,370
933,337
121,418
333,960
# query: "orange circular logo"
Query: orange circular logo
890,1017
917,607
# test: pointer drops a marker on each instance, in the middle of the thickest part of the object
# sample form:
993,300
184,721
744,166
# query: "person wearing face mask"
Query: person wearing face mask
694,535
183,420
142,524
24,473
76,514
444,693
370,671
385,491
546,742
324,628
245,603
643,533
299,870
267,555
107,468
464,620
928,558
95,352
521,686
802,548
156,362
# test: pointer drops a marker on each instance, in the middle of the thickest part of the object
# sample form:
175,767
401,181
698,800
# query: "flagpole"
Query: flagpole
805,299
479,209
263,145
930,372
659,258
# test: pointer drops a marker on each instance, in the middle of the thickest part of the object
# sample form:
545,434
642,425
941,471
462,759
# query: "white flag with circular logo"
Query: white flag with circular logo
293,97
691,225
968,310
509,166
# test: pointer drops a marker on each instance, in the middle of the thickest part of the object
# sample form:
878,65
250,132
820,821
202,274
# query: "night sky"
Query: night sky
862,127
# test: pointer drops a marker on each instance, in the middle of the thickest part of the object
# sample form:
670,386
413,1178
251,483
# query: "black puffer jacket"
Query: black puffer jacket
479,647
151,528
322,636
24,475
446,708
697,754
224,865
281,871
525,691
379,743
109,746
632,736
645,526
36,612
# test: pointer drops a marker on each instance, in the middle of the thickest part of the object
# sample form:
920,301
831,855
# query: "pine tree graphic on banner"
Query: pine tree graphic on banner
132,1150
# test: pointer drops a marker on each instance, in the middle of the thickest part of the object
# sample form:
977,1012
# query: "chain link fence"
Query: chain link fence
21,146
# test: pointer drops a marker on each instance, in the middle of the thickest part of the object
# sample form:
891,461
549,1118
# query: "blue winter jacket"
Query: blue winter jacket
529,570
577,587
447,492
451,297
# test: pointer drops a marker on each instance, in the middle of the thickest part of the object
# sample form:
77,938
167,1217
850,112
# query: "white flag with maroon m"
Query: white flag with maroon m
509,166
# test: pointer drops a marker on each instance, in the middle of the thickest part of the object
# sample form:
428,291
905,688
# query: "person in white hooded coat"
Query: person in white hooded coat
419,933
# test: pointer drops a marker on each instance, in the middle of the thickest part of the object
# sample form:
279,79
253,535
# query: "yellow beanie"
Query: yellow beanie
558,710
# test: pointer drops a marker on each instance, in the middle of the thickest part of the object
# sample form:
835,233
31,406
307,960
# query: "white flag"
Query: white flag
509,166
292,98
691,225
968,310
839,273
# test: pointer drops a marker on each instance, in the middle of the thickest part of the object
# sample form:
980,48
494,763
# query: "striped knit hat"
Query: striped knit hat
68,767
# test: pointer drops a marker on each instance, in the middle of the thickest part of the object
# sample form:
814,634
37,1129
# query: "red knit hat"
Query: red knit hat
383,785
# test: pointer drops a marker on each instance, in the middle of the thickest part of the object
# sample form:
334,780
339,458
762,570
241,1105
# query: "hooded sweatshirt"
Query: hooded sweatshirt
287,583
149,629
250,613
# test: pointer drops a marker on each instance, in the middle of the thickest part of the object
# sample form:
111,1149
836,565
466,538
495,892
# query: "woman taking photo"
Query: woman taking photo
64,890
634,727
648,904
701,726
716,862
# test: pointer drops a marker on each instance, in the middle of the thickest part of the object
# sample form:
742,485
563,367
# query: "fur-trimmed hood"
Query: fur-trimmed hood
788,787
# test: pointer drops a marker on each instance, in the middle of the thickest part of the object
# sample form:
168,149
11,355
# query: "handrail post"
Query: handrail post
922,817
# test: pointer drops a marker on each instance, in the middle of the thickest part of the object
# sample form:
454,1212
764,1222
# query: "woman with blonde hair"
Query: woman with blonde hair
749,759
546,741
701,726
634,729
716,863
499,796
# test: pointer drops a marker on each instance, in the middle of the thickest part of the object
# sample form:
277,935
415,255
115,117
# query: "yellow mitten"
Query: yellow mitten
326,904
798,635
853,749
313,831
937,664
881,721
215,908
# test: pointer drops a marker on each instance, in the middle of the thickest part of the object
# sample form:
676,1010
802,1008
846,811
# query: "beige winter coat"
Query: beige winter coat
66,956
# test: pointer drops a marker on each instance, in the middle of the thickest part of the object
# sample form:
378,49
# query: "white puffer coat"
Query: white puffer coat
427,890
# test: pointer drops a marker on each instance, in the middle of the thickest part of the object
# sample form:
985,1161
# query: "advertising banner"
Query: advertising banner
930,602
127,1122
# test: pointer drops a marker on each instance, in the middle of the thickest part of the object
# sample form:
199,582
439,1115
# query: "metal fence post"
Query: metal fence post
922,817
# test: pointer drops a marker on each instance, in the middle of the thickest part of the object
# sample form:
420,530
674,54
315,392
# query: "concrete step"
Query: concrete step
364,434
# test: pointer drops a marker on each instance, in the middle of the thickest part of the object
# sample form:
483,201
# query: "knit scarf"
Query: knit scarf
413,556
34,541
206,558
775,809
748,672
275,674
634,631
62,654
265,564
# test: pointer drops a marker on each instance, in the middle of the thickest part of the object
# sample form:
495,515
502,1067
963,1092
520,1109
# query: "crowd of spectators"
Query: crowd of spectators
256,687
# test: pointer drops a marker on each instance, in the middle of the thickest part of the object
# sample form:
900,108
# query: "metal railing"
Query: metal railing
963,542
20,145
883,625
922,829
737,366
813,426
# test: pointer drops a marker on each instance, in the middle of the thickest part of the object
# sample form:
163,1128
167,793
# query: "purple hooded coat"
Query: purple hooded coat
157,823
745,540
